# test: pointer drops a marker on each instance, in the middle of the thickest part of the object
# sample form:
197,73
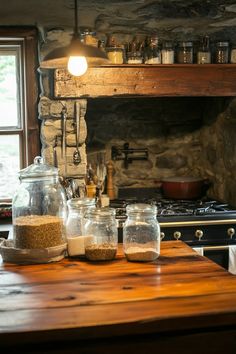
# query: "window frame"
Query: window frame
30,133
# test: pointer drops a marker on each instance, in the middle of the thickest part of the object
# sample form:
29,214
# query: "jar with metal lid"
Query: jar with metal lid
115,55
233,55
222,52
141,233
89,37
204,52
152,52
167,53
100,225
76,240
185,53
39,207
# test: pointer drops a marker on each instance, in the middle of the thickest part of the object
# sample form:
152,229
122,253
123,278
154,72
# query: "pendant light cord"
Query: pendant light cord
76,29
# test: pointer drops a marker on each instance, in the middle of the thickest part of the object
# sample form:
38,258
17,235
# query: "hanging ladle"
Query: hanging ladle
76,155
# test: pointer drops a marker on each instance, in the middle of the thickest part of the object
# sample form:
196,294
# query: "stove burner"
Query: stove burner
175,208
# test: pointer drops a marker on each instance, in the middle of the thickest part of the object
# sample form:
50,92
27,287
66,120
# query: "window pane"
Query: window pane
9,165
8,90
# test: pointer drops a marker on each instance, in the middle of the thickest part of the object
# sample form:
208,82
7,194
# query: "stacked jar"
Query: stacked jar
76,240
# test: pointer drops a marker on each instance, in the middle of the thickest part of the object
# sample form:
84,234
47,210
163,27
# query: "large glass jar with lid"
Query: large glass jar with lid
39,207
222,52
76,240
141,233
100,224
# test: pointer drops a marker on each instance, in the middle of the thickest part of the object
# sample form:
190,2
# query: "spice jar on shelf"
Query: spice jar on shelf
167,53
233,55
115,55
185,52
141,233
135,52
204,52
152,52
76,240
100,224
222,52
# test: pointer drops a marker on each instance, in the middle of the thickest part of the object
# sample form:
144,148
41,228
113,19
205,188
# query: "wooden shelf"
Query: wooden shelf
148,81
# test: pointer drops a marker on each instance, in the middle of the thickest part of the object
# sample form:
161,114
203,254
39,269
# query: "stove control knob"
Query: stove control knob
231,232
162,235
199,234
177,235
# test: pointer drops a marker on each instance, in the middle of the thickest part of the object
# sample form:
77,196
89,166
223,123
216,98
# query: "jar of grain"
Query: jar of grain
76,240
115,55
39,207
141,233
100,224
222,52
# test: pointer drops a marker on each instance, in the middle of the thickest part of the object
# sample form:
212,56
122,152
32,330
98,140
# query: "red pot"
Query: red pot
183,187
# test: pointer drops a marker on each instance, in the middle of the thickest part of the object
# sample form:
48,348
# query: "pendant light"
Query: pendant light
76,56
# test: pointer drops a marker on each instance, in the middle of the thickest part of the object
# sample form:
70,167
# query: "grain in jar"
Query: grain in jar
185,53
37,231
222,52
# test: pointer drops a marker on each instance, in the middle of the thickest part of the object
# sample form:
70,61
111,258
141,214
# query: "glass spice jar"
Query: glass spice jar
76,240
204,53
222,52
185,53
152,52
100,224
233,55
141,233
167,53
115,55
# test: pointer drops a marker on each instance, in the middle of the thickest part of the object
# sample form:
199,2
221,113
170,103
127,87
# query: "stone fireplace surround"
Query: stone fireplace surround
184,136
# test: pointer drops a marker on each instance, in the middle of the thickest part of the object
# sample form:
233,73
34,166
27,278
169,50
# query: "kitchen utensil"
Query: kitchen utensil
76,155
184,187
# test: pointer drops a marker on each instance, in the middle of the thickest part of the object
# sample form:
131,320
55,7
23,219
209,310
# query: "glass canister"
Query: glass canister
115,55
76,240
101,225
204,52
39,207
185,53
222,52
141,233
167,53
152,52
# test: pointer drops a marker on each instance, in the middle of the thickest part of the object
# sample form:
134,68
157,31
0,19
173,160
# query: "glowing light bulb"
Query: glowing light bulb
77,66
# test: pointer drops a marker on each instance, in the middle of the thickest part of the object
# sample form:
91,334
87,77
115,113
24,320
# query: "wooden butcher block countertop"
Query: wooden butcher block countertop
180,301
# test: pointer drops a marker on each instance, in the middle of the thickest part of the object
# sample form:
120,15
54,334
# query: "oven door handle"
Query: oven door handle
215,248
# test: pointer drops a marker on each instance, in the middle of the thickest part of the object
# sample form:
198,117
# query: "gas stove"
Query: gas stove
197,222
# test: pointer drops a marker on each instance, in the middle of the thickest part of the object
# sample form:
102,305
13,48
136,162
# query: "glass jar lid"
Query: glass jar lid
185,44
97,213
141,208
222,44
79,203
38,169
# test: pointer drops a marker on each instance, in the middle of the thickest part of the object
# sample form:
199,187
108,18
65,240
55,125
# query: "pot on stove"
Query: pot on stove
184,187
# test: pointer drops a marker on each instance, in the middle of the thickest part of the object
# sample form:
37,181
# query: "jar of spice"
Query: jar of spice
141,233
167,53
185,53
233,55
100,224
204,53
115,55
222,52
135,52
76,240
152,52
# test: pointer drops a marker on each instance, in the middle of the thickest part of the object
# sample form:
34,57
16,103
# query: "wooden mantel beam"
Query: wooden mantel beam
148,81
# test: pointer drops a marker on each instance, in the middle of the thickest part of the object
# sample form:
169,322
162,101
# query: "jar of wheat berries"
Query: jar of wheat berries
141,233
100,226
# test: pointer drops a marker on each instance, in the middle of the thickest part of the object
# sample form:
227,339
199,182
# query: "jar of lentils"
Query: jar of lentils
185,53
100,225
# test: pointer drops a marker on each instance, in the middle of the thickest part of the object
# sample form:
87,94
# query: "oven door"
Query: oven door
218,254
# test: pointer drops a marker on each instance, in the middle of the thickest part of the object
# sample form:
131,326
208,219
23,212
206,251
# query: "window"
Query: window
19,125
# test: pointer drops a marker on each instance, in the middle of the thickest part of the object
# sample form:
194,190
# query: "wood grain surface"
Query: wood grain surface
148,80
79,300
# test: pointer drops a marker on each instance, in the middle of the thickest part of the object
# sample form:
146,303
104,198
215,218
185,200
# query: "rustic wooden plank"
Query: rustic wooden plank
145,80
